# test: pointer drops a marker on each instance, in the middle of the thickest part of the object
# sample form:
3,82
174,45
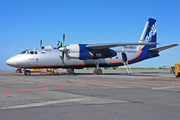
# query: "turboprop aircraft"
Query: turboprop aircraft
78,56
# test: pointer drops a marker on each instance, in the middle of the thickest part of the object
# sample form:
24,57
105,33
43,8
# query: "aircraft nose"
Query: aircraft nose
11,62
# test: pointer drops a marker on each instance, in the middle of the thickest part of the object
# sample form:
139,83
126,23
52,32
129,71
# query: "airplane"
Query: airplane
78,56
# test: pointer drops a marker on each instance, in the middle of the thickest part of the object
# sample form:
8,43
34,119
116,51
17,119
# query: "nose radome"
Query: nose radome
11,62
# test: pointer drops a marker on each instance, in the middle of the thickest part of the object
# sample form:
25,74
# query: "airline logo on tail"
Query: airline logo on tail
151,33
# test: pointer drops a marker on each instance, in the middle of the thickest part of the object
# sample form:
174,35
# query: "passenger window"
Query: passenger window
31,52
35,52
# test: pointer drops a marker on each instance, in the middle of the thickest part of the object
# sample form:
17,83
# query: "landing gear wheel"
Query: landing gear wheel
97,71
70,71
27,72
178,75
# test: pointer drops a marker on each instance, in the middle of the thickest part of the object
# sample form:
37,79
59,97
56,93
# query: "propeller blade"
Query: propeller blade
41,43
63,38
63,58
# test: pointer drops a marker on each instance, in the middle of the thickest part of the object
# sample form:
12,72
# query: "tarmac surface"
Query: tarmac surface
148,94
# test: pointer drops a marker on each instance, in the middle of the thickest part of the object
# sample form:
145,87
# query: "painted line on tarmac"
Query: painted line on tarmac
150,81
48,87
164,88
85,100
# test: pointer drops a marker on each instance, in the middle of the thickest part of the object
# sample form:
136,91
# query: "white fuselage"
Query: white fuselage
52,58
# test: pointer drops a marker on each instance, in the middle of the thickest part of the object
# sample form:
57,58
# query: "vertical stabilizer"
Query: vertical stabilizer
149,33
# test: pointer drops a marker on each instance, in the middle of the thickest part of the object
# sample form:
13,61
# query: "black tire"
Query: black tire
178,74
27,72
98,71
71,71
95,70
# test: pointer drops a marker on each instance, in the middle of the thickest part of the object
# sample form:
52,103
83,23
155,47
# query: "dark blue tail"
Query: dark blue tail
149,33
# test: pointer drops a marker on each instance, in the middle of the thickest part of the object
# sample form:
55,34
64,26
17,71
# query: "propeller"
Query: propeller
41,43
63,38
63,49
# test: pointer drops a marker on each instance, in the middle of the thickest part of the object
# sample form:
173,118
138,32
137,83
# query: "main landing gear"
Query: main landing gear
27,72
70,71
97,70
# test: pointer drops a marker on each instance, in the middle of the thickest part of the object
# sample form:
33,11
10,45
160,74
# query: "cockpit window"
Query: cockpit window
29,52
23,52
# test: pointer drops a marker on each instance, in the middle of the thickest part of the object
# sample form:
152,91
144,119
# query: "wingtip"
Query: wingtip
156,43
175,44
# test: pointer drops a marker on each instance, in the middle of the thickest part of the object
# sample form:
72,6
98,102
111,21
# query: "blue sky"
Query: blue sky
24,22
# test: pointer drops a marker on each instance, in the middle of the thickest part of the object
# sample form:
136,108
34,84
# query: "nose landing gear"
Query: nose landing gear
97,70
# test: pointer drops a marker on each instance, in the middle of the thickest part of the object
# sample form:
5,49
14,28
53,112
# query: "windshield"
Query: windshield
23,52
29,52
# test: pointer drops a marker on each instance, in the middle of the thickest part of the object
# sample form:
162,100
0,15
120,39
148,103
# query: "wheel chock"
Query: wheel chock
97,74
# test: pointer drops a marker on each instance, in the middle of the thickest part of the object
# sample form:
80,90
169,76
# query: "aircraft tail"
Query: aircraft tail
149,34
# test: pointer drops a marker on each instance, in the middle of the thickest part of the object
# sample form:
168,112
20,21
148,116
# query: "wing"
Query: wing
102,46
162,48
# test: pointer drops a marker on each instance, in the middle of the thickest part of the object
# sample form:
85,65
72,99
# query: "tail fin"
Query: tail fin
149,33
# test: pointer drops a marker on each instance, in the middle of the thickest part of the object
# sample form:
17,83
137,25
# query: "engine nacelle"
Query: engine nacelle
80,51
74,51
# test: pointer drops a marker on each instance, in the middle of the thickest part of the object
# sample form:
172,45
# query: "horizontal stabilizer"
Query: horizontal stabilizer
162,48
102,46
